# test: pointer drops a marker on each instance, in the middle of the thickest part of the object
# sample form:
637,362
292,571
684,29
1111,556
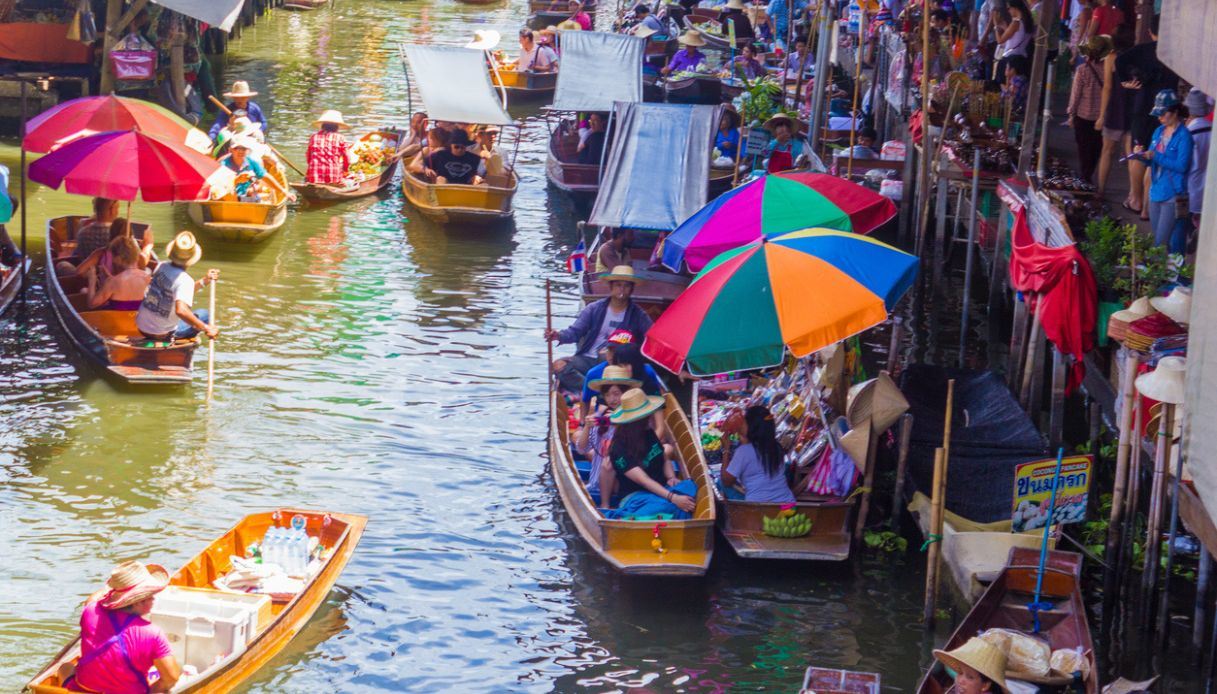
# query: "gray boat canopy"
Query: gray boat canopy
598,69
657,172
455,85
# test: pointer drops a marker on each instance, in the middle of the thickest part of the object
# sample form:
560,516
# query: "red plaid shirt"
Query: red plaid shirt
327,158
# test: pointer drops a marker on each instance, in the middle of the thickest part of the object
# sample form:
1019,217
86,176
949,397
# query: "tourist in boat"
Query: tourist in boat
238,125
800,58
455,165
485,148
416,138
591,148
638,460
621,349
595,323
596,434
687,59
328,153
102,259
124,288
758,464
979,666
726,141
535,57
240,97
248,170
734,12
747,65
118,644
615,251
785,151
166,311
92,235
579,16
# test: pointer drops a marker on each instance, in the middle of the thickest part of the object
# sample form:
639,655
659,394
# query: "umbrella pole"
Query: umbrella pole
211,346
853,124
23,118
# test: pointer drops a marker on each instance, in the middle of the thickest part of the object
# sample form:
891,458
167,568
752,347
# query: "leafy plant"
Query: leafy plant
1150,265
1104,248
885,540
760,101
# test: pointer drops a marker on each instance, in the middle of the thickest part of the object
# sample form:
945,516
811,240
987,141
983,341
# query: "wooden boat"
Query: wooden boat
652,88
461,204
559,7
303,5
626,545
720,181
655,290
371,184
710,29
245,222
524,85
10,283
561,168
741,522
659,48
695,89
339,533
1004,605
109,338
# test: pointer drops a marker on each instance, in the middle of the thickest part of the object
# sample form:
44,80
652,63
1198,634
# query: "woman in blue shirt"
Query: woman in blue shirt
1170,157
727,139
759,463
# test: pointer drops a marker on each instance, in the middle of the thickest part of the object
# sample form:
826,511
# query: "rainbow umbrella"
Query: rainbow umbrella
90,115
801,291
771,205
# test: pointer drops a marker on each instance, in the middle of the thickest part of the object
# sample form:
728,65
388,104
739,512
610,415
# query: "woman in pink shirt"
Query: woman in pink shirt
118,645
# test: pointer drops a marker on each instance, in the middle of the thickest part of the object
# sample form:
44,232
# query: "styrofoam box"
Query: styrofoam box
204,626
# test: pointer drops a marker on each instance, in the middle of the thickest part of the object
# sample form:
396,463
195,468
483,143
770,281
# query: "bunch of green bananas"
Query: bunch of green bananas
792,525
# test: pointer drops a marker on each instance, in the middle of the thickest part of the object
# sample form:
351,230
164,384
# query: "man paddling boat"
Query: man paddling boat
166,312
241,97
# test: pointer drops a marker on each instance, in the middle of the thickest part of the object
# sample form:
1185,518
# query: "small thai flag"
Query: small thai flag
577,258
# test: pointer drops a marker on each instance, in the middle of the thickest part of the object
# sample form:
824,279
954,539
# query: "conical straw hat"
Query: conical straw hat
1166,382
878,400
979,655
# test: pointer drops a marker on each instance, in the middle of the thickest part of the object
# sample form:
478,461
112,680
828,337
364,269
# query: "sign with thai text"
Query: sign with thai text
1033,492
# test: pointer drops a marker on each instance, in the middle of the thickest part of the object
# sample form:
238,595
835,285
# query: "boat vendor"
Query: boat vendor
165,313
534,57
637,460
980,667
596,435
118,644
598,320
328,154
747,65
734,12
240,97
726,140
799,58
455,165
248,169
615,251
687,59
758,463
785,151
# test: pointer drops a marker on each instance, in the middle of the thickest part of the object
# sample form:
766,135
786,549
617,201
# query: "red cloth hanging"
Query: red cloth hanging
1060,283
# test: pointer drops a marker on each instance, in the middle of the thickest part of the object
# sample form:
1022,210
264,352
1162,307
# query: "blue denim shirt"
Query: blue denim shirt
1169,167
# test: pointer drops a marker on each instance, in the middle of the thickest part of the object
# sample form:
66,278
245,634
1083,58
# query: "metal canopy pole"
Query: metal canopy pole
24,86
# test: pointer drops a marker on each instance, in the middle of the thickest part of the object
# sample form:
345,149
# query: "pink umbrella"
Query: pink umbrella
90,115
125,163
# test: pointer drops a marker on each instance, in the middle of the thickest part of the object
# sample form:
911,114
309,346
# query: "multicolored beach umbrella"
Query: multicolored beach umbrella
772,205
800,291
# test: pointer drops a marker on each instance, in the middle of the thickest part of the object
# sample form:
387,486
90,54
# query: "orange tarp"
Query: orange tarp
41,43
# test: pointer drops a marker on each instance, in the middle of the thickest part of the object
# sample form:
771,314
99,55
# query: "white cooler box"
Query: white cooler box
207,626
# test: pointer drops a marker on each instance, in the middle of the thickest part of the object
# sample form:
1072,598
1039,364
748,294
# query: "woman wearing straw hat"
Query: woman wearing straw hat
980,667
165,312
596,434
239,97
734,12
118,645
637,461
687,59
785,151
328,154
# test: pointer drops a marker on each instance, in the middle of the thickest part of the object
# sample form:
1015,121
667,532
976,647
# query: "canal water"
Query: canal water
374,363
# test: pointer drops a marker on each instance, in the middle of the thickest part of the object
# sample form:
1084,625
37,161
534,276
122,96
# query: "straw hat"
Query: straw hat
981,656
131,582
484,39
1177,305
615,376
777,120
1135,311
878,400
735,5
569,25
635,405
856,442
691,38
240,88
331,116
184,249
620,273
642,31
1165,383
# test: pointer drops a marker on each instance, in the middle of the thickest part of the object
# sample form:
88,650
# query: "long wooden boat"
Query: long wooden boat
524,85
461,204
699,22
339,533
655,289
109,338
742,522
10,283
626,545
720,181
696,89
303,5
1004,606
321,192
244,222
563,171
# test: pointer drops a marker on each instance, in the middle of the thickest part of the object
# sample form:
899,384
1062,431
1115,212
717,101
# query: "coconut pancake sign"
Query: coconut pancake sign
1033,492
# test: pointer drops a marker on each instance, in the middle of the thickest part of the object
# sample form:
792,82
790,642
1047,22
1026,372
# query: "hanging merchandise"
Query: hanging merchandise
82,28
133,59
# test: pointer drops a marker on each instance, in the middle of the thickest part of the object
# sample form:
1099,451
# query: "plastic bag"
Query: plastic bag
1066,661
1025,655
133,59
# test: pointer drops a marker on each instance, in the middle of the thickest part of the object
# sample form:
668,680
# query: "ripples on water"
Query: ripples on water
396,372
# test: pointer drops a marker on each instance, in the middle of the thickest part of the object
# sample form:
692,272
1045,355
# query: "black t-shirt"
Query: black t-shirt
652,463
592,148
456,169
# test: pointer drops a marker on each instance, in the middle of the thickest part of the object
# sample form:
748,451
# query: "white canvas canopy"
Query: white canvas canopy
598,69
221,14
455,85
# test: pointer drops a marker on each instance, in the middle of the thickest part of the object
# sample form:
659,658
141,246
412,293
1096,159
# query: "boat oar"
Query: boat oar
279,154
211,345
1036,606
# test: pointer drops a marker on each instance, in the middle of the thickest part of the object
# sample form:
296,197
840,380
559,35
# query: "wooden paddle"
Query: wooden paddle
279,154
211,346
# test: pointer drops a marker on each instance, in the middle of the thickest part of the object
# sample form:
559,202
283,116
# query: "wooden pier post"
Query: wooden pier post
937,507
1153,525
868,480
1203,575
902,461
1056,411
1123,453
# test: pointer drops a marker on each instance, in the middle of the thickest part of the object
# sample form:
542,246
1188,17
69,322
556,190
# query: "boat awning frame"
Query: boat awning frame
598,69
438,69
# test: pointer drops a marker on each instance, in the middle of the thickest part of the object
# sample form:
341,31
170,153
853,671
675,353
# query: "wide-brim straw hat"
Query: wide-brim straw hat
620,273
642,31
691,38
131,582
777,120
981,656
635,405
615,376
878,400
331,116
240,88
485,39
1166,382
1177,305
1135,311
569,25
856,443
184,249
736,5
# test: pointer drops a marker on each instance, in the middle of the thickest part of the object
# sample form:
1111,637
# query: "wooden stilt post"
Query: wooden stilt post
177,72
1153,525
893,347
868,482
902,461
1203,575
1133,499
1172,533
1032,362
114,9
1115,521
1018,341
934,537
966,308
1056,412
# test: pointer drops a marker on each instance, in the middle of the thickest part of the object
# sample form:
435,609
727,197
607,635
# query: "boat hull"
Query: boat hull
525,86
303,5
564,173
694,22
460,204
694,90
10,285
241,222
319,192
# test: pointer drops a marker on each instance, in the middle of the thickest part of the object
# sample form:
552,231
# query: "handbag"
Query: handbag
133,59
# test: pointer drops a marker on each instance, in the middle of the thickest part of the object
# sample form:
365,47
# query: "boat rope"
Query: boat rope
933,537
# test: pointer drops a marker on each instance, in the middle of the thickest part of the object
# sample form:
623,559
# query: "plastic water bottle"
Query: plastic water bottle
274,546
294,567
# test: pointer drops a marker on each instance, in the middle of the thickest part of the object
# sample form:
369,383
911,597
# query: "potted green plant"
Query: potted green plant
1104,247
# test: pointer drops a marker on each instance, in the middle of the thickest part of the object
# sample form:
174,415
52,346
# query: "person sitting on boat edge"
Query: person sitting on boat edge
591,148
118,644
616,250
980,667
165,312
127,283
596,434
637,460
239,98
416,137
785,151
579,16
534,57
328,155
733,12
455,165
595,323
687,59
621,351
758,463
